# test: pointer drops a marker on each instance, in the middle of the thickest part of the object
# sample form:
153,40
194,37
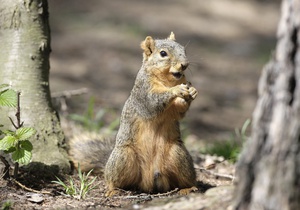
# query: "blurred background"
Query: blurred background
95,45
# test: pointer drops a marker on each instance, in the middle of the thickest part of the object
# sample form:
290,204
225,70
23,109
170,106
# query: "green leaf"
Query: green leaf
7,142
26,145
8,133
22,156
4,86
10,150
8,98
78,118
25,133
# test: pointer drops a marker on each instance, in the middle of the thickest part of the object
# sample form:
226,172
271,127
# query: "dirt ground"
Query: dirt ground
96,45
215,187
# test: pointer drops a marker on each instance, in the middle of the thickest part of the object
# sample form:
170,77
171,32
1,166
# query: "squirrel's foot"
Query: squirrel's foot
110,193
187,191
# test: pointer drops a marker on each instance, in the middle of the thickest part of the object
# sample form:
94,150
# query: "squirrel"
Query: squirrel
149,154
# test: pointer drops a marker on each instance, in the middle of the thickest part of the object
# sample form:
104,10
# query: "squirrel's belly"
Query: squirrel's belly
153,145
154,181
154,176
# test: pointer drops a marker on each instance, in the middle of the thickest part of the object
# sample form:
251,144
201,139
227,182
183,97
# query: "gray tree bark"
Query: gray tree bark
269,168
24,64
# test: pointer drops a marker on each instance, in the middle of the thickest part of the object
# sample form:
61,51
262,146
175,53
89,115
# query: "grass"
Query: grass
7,205
85,186
96,121
230,149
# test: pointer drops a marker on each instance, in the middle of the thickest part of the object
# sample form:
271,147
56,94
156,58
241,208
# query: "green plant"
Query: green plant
17,143
8,97
96,121
7,205
85,185
241,133
230,149
14,142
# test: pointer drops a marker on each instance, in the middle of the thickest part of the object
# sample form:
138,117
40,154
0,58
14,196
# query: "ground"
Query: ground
215,186
95,45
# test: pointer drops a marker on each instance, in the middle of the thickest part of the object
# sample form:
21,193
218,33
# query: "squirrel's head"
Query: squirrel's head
165,58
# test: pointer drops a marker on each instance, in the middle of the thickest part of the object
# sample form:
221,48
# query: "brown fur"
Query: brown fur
90,151
149,154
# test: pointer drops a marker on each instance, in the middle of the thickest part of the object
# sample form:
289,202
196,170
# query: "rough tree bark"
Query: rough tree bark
269,168
24,64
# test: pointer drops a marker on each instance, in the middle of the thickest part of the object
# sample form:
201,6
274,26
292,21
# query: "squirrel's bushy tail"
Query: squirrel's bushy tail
90,151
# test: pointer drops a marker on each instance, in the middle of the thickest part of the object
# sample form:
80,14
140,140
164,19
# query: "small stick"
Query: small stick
18,113
167,193
69,93
12,122
217,175
6,169
62,96
147,196
29,189
16,170
19,125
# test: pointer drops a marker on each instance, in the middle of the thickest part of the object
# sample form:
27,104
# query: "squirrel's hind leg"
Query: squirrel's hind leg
122,170
181,169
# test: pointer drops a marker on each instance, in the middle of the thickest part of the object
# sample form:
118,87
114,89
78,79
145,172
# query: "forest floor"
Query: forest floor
215,191
96,46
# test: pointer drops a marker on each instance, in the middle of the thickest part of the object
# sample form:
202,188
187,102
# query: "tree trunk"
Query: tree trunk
24,64
268,172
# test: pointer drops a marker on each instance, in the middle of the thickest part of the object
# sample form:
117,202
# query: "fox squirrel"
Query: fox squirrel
149,154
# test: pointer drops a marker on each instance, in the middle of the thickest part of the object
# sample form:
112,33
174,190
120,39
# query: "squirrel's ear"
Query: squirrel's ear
172,36
148,45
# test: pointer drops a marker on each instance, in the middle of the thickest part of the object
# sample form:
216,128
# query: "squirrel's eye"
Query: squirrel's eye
163,53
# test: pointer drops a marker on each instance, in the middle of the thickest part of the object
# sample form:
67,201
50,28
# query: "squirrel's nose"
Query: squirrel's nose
184,66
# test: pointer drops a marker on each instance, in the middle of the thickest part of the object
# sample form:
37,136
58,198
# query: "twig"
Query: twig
217,175
29,189
19,125
149,196
69,93
61,97
16,170
12,122
6,169
167,193
18,113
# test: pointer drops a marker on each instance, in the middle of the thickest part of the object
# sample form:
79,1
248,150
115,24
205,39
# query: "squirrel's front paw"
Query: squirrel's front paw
185,91
193,92
181,91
